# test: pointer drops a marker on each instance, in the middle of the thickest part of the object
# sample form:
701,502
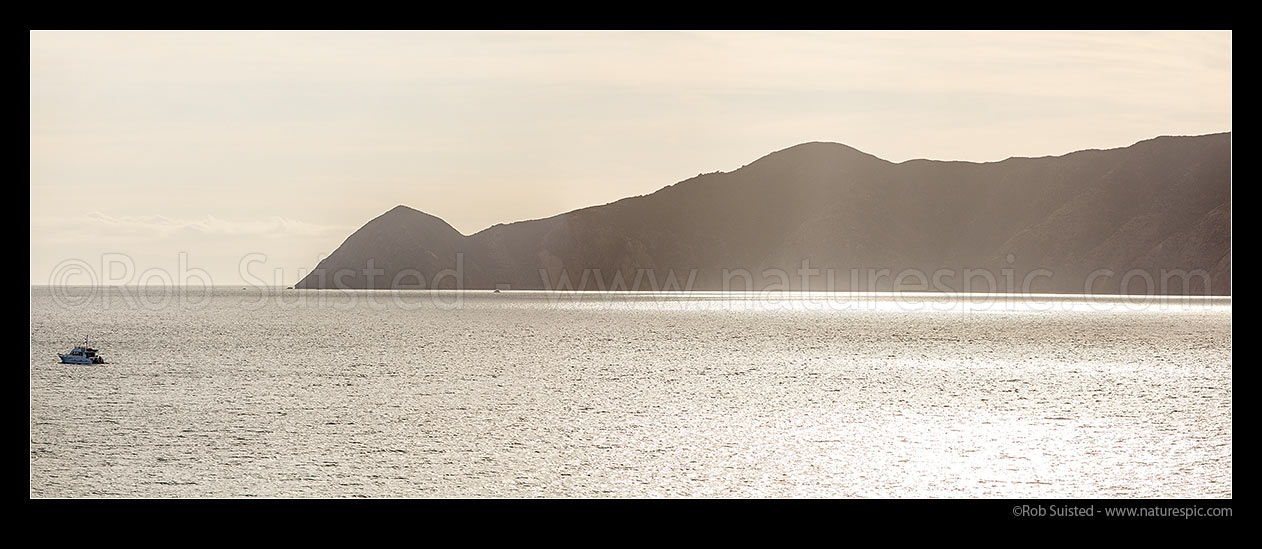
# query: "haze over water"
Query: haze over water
231,392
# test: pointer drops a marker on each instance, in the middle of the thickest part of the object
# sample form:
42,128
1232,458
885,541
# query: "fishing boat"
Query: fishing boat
81,354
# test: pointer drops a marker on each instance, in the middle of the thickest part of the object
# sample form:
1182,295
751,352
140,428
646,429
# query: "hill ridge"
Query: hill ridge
1160,205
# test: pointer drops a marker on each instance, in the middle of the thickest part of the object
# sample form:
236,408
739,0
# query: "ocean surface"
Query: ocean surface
264,392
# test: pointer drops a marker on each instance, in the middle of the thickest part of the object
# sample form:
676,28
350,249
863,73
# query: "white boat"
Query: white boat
81,355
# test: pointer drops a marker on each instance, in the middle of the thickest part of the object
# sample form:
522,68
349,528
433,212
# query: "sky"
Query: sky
246,157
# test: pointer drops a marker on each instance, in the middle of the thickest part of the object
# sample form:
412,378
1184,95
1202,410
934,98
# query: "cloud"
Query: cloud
97,226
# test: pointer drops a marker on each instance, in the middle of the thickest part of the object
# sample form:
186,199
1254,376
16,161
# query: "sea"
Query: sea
266,392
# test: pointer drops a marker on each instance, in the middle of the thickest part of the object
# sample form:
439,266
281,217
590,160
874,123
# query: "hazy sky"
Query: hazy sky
211,146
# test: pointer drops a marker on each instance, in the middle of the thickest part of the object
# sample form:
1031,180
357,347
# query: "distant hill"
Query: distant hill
1159,207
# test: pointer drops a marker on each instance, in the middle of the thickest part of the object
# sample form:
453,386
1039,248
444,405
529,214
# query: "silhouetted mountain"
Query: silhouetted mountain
1157,210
